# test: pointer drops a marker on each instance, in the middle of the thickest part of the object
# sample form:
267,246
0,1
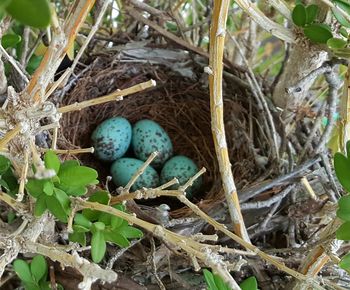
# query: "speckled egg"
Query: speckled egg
183,168
112,138
147,137
124,168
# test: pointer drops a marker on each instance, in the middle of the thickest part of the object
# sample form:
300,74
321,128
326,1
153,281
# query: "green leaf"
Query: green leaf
31,286
336,43
311,11
58,205
249,284
130,232
343,32
3,4
98,246
116,222
97,226
40,206
220,283
48,187
318,33
343,233
209,279
34,13
33,63
299,15
23,271
81,220
343,211
4,164
69,163
10,40
35,187
345,262
78,237
348,149
342,170
105,218
52,161
77,176
80,229
116,238
341,19
100,197
38,267
11,216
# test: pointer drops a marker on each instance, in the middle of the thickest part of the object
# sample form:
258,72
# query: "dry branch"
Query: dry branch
217,42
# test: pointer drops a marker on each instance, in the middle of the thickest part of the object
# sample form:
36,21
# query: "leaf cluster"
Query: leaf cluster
306,18
33,275
103,227
71,179
215,282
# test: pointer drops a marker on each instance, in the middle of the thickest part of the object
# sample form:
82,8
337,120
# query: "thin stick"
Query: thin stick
217,41
23,178
70,151
17,206
9,136
54,138
308,188
139,172
190,182
14,63
115,96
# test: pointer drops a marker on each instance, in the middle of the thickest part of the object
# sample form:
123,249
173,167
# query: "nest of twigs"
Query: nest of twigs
180,105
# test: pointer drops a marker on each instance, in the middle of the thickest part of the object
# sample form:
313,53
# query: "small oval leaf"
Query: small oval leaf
38,267
318,33
52,161
23,271
336,43
343,233
34,13
342,170
311,11
299,15
98,247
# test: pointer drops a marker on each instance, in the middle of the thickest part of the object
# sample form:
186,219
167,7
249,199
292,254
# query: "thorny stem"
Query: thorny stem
217,41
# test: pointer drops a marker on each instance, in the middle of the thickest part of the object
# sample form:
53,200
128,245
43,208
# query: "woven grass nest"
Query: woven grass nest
180,105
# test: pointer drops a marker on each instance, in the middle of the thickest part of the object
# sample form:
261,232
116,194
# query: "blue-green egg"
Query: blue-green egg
124,168
112,138
183,168
148,137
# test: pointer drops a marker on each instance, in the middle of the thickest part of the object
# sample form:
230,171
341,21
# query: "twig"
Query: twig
308,188
139,172
15,64
255,190
267,203
23,178
217,42
92,32
9,136
115,96
154,266
334,84
69,151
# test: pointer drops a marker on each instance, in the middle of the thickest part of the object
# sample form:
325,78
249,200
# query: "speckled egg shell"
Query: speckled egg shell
112,138
147,137
183,168
124,168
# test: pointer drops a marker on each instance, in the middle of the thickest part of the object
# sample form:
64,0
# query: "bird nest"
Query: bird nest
179,104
